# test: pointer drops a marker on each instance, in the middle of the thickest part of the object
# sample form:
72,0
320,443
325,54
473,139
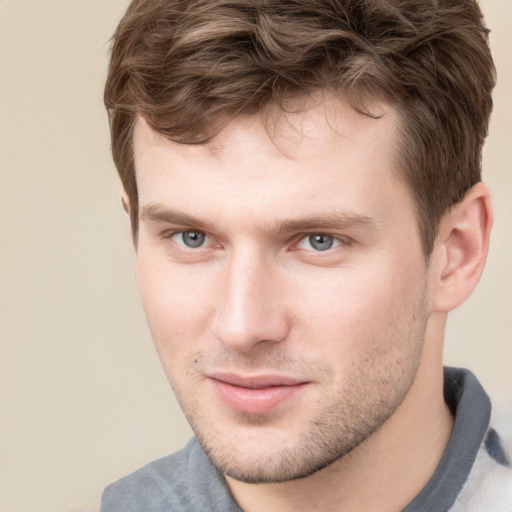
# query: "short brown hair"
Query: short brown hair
188,66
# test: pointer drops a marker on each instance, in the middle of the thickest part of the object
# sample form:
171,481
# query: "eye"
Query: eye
318,242
190,239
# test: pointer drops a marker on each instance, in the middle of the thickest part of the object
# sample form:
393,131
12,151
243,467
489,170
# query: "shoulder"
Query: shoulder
489,485
157,486
185,481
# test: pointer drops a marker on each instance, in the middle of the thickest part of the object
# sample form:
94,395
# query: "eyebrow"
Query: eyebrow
155,212
328,221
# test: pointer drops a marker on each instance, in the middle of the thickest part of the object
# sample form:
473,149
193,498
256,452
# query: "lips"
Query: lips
257,394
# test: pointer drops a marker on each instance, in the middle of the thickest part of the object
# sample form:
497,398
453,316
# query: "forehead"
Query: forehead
324,149
305,131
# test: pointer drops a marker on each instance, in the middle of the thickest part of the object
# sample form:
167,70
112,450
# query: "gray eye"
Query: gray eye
321,242
193,239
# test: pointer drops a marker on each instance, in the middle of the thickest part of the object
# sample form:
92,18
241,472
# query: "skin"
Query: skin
233,284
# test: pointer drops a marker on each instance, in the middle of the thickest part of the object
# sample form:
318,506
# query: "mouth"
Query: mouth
256,394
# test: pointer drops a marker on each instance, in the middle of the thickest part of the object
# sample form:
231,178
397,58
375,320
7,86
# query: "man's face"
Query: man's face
284,284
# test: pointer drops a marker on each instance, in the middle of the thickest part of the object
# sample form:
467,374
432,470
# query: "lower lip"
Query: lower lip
254,401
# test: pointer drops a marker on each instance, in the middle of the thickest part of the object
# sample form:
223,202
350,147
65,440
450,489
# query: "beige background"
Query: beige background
82,397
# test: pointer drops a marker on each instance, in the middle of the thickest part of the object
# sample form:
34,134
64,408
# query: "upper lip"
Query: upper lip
256,381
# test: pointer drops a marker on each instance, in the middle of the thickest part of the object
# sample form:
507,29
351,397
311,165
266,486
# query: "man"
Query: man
303,183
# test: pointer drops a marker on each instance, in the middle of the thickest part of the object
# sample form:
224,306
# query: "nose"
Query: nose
251,309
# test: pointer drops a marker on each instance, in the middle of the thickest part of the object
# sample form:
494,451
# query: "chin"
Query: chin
264,463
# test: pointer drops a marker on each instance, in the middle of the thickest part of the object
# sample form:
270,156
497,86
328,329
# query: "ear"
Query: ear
125,203
461,249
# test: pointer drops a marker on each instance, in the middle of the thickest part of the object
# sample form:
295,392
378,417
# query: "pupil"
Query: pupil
193,238
321,242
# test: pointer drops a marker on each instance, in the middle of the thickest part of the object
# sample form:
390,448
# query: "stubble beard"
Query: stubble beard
334,434
359,408
342,426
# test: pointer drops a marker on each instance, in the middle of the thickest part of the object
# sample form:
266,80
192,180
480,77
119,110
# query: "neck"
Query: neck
386,471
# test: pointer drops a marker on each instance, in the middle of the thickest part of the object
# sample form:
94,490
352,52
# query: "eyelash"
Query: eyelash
337,240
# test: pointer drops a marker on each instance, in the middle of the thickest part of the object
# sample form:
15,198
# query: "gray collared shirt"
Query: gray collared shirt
474,474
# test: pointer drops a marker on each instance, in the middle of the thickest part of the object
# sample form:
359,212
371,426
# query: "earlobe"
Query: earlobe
461,248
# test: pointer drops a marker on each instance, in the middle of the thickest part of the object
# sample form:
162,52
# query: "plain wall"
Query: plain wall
83,400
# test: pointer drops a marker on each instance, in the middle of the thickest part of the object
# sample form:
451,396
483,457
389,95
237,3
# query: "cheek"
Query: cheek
176,305
343,296
351,313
